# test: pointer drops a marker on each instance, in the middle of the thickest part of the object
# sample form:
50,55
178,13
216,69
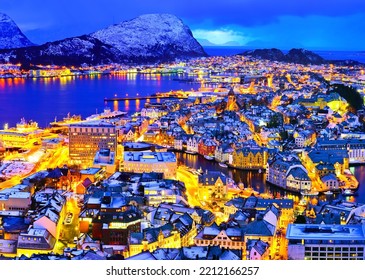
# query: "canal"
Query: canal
257,180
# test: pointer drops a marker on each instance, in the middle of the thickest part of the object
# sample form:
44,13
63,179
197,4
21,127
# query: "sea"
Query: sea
48,99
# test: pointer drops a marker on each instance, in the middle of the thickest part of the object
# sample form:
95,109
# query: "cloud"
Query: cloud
221,36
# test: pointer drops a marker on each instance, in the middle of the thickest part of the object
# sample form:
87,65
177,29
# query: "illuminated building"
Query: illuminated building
192,144
114,227
232,103
326,242
230,238
165,212
105,160
324,162
212,182
85,139
35,241
93,174
51,213
304,138
24,135
145,162
14,200
167,191
250,158
178,234
288,173
355,148
257,250
206,147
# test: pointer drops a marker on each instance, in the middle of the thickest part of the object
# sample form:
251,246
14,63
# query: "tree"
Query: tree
300,220
350,94
275,121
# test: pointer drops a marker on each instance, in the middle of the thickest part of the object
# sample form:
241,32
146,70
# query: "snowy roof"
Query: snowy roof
326,232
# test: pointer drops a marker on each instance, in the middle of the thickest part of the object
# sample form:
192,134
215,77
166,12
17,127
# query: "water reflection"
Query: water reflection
258,180
115,105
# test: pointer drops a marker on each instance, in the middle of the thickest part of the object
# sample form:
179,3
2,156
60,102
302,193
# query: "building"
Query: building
206,147
212,183
178,234
230,238
331,181
250,158
86,138
115,221
304,138
288,173
327,161
105,159
35,241
355,148
257,250
164,191
192,144
145,162
24,135
297,179
326,242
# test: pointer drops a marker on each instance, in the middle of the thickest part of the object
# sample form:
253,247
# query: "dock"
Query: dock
109,99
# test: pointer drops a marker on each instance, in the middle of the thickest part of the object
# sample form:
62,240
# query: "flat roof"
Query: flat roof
149,157
90,171
93,123
325,232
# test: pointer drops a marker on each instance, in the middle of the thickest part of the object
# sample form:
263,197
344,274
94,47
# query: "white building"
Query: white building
145,162
326,242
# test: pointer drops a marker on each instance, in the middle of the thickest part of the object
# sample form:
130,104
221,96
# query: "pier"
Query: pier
142,98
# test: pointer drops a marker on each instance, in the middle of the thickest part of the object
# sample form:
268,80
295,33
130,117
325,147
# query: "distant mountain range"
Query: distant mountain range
147,38
299,56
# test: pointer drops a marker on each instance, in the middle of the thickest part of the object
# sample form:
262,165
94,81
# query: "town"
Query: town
111,186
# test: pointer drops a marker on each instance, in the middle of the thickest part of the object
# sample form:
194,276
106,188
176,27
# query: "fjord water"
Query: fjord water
42,100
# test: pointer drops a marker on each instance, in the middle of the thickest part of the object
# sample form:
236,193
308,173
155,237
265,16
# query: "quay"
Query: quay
142,98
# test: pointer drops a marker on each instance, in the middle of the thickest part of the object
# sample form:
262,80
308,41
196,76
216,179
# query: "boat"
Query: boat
348,192
328,193
309,193
222,164
190,152
209,157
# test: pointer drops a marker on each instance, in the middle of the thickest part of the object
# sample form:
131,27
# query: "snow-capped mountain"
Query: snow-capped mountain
145,39
151,37
70,51
10,34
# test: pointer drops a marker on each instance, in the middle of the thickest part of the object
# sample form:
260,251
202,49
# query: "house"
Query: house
212,182
192,144
257,249
35,241
297,179
331,181
230,238
207,147
250,158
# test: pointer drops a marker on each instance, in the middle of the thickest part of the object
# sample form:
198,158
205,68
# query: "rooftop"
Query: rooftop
149,157
326,232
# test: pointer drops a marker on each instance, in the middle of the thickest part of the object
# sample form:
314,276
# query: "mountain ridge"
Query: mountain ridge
10,34
148,38
295,55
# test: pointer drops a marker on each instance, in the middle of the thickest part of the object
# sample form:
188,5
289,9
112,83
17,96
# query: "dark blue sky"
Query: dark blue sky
312,24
